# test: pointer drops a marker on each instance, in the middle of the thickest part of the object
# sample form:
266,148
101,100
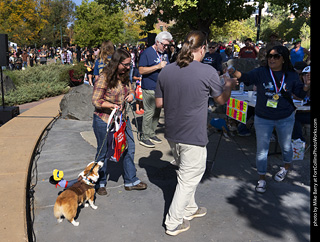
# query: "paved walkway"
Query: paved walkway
235,211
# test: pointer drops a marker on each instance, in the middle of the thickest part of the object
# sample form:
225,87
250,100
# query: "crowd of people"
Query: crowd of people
180,79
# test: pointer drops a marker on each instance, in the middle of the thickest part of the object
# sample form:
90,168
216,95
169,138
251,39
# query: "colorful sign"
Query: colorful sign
237,109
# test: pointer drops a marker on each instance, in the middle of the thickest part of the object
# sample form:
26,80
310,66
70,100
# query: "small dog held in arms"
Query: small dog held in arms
68,201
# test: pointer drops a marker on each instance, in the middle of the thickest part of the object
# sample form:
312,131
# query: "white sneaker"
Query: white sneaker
281,174
181,228
202,211
262,186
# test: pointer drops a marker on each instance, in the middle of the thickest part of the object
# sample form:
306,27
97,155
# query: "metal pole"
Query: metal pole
259,22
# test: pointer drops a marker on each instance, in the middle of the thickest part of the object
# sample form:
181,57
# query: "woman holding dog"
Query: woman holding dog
111,91
275,83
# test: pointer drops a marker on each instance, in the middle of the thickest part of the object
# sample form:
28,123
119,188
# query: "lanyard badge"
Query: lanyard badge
278,89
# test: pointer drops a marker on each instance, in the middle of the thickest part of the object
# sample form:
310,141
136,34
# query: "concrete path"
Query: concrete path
235,211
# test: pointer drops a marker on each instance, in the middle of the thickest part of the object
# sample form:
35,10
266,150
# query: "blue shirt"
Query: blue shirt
296,56
150,57
261,77
99,65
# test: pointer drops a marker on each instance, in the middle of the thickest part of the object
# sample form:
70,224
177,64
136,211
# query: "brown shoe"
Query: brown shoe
140,186
102,191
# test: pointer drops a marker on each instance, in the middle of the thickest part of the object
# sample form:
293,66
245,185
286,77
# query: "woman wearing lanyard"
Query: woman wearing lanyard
111,90
275,83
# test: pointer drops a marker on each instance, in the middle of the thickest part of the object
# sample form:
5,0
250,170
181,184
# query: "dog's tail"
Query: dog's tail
57,210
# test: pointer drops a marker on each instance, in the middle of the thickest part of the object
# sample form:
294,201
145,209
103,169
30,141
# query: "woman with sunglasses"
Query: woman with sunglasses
111,91
275,83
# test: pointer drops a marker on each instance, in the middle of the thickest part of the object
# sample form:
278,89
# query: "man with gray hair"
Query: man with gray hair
152,60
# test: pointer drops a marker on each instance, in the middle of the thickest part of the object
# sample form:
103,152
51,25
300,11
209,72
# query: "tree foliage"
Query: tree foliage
23,20
61,15
29,22
93,25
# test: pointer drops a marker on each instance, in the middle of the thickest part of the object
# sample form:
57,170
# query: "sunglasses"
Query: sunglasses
126,64
165,45
275,56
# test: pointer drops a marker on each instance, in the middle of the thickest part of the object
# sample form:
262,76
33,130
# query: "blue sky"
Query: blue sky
78,2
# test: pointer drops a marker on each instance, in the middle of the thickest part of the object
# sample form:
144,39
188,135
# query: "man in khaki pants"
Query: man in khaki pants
151,62
183,89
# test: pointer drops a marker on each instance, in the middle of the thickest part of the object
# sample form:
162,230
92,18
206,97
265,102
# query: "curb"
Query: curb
19,139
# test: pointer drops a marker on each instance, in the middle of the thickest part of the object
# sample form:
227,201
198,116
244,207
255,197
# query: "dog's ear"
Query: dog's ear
100,164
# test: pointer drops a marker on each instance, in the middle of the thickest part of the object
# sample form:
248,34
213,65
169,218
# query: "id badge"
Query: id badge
272,103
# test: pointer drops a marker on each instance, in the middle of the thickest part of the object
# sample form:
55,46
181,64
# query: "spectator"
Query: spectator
213,57
31,57
303,117
273,42
172,53
69,56
18,62
275,83
150,64
112,90
137,77
183,88
227,54
90,66
65,58
298,53
249,50
11,61
43,57
104,57
78,52
133,62
24,58
236,48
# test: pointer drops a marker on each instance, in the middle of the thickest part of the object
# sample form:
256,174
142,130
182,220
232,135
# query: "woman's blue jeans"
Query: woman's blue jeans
129,175
264,128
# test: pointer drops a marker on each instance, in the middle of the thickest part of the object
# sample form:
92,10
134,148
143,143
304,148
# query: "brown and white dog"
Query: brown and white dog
68,201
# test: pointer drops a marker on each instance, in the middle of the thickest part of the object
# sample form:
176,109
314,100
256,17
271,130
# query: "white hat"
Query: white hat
306,69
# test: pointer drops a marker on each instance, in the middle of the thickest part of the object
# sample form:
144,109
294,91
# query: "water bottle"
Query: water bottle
241,89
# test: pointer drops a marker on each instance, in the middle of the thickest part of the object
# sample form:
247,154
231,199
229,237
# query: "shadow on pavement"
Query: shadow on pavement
284,207
162,174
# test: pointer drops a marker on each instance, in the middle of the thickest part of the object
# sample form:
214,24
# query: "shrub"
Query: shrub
38,82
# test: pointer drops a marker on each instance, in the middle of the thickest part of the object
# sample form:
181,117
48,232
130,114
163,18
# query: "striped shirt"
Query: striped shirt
102,93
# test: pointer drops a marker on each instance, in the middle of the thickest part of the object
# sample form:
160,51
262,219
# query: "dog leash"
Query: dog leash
115,112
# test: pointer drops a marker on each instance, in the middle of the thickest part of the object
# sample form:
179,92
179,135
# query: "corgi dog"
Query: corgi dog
68,201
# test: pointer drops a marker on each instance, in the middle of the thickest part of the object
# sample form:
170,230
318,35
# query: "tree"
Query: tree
61,15
232,30
132,21
93,25
23,20
195,14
